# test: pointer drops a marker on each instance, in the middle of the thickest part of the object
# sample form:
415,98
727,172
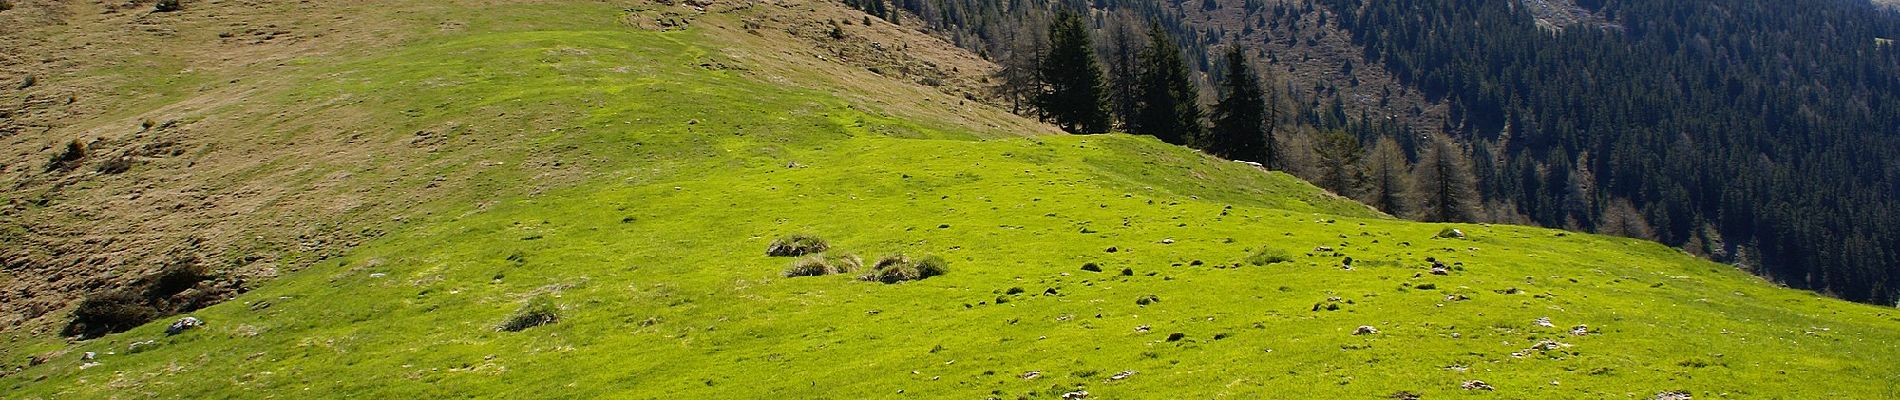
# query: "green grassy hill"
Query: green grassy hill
666,162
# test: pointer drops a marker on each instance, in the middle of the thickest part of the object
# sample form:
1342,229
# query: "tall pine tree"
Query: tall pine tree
1123,77
1168,108
1240,117
1072,94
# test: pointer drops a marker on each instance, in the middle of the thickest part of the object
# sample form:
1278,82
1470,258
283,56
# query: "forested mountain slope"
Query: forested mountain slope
1758,133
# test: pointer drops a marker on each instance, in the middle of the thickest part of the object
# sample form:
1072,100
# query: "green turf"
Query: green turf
657,265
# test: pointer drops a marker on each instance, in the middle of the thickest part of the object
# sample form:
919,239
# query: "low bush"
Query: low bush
899,268
797,245
164,293
538,311
821,265
167,6
1268,255
65,160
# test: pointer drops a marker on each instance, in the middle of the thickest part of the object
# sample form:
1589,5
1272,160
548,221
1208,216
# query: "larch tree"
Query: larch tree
1388,182
1443,183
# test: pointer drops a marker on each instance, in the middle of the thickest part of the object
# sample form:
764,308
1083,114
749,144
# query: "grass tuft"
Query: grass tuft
797,245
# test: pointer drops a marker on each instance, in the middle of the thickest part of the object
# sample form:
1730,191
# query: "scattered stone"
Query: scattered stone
1404,395
1121,375
378,275
1476,385
1456,297
1322,249
182,325
1030,375
1142,328
88,365
1440,270
140,346
1365,330
1544,322
1079,394
1451,233
88,356
1673,395
1167,241
1580,330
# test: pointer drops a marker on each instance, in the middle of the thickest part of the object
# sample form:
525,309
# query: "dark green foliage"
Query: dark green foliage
1268,255
1091,267
1073,95
164,293
1758,132
114,311
538,311
1168,106
797,245
1240,130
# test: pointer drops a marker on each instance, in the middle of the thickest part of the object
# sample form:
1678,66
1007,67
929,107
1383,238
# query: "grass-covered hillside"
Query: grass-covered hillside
631,260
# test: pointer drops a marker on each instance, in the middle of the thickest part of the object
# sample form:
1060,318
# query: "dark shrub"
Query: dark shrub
1268,255
812,265
538,311
167,292
930,266
167,6
898,268
65,160
796,245
1091,267
115,311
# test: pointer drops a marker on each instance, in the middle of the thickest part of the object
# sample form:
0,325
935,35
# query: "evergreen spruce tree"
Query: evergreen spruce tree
1240,117
1443,183
1072,94
1168,108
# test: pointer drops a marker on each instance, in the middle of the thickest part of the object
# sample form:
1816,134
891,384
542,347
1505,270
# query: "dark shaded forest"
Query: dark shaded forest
1759,132
1755,132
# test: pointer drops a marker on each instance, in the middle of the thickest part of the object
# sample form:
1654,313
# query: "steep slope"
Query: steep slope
253,138
633,179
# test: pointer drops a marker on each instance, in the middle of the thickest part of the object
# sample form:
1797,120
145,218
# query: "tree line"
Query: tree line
1148,91
1759,133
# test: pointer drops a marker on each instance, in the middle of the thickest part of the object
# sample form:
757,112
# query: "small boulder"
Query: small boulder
1030,375
1672,395
1580,330
1365,330
1451,233
1476,385
141,346
1121,375
1544,322
182,325
1079,394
